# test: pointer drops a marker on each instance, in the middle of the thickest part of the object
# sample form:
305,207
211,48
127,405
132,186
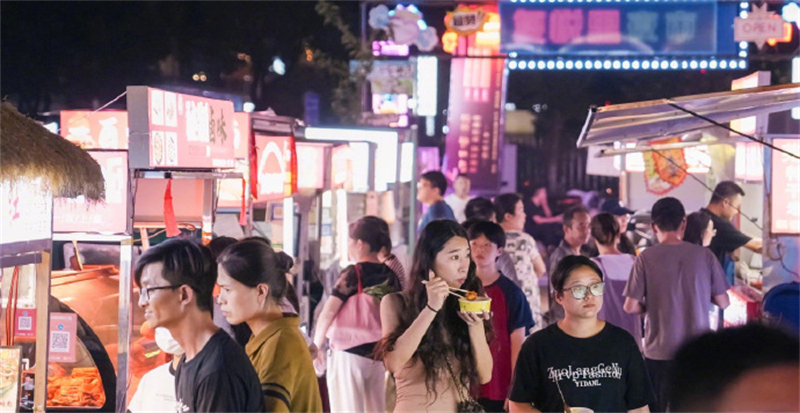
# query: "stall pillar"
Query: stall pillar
209,195
304,204
125,319
412,193
42,331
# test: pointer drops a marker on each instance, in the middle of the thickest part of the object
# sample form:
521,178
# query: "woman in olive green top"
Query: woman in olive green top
252,283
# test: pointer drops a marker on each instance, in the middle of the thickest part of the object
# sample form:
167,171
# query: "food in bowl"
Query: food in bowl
471,296
478,305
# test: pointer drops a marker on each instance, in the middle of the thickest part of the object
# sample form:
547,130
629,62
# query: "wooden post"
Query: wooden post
42,331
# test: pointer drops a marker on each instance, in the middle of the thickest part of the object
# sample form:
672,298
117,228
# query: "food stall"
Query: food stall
702,120
161,176
36,166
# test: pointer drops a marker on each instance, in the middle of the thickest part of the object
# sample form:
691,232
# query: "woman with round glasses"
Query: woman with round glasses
581,361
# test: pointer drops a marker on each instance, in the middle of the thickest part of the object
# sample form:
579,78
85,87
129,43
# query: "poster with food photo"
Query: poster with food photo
171,109
171,150
10,368
158,148
156,107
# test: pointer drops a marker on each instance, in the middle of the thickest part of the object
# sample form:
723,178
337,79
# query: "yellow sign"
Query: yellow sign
465,20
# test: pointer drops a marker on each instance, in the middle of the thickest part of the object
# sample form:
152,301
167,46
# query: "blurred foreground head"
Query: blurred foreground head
752,368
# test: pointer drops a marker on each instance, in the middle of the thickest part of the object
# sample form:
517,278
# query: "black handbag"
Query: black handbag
466,404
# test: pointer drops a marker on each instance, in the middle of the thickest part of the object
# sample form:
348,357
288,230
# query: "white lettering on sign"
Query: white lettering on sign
271,183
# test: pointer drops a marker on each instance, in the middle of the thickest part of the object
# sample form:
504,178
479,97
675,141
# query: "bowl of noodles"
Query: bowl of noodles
473,303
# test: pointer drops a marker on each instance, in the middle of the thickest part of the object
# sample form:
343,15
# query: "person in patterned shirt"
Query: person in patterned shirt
528,262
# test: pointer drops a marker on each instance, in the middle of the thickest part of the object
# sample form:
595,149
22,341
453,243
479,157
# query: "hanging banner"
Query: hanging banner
475,121
107,129
665,169
277,168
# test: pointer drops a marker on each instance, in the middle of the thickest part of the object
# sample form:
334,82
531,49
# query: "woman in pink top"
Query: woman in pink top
439,355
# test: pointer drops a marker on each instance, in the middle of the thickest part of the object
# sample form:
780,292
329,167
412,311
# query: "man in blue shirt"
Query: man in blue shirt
430,189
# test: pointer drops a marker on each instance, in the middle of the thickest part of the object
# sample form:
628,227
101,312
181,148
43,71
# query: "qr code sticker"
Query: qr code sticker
59,341
25,324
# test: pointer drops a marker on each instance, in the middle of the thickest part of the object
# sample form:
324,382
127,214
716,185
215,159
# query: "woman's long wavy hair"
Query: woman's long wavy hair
434,348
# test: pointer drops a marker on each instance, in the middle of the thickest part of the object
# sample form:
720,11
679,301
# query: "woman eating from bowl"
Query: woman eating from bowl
439,355
252,282
580,362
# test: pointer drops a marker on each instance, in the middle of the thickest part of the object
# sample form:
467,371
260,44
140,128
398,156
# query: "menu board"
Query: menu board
277,167
108,216
176,131
95,130
785,195
10,368
26,211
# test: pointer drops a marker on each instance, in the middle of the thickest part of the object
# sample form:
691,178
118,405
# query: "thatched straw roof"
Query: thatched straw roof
29,150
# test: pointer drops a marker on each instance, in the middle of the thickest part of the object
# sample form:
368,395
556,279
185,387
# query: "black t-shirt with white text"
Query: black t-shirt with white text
220,378
605,373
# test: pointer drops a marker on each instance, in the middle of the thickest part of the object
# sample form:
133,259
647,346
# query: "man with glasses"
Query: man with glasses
725,204
176,279
673,284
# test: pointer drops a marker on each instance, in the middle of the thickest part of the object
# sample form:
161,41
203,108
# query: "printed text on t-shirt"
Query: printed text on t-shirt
586,376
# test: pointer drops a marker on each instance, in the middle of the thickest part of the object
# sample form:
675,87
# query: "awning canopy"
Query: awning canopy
633,122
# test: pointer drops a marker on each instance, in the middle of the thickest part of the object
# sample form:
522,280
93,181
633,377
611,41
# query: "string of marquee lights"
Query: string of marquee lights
94,111
715,123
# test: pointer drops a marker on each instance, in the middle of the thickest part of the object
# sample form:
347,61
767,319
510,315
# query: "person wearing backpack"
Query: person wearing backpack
350,321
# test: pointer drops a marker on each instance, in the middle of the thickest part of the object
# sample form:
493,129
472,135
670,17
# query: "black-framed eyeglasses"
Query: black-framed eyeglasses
144,292
579,291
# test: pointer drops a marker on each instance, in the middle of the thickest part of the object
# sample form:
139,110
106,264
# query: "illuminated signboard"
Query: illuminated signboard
614,32
277,167
173,130
241,134
230,191
95,130
785,194
342,168
312,157
108,216
749,161
26,211
697,158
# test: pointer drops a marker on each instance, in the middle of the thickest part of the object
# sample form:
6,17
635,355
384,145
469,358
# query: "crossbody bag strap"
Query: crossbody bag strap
358,276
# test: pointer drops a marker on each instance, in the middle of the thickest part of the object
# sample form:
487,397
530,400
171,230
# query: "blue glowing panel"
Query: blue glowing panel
699,28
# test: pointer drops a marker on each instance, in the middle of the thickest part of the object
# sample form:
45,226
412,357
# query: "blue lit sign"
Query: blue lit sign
621,35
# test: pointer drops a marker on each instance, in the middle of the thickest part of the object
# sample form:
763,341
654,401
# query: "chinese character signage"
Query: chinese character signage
173,130
785,194
98,130
277,167
465,20
10,369
108,216
477,93
27,211
696,28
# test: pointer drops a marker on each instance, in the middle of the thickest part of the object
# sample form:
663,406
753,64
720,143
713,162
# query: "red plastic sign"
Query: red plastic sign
277,168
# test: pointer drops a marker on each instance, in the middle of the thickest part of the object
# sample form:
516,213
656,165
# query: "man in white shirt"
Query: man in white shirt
460,196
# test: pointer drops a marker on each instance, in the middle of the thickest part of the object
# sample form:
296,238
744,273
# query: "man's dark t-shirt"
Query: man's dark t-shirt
220,378
728,238
605,373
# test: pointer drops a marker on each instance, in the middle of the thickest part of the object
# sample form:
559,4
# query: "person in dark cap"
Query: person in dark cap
616,208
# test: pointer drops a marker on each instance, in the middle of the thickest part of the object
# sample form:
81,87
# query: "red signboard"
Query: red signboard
313,158
277,168
109,216
99,130
173,130
785,188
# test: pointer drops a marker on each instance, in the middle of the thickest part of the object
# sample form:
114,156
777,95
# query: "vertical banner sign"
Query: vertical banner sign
276,170
63,336
475,121
785,188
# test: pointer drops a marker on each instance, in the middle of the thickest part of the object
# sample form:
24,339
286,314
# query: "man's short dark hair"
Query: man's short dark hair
185,263
565,267
493,232
480,207
437,180
462,175
668,213
705,367
505,204
725,190
569,215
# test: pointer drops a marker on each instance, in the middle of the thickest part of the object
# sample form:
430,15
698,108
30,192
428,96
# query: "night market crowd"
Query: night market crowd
614,329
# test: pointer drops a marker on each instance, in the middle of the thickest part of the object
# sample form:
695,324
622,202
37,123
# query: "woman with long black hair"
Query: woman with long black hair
439,355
